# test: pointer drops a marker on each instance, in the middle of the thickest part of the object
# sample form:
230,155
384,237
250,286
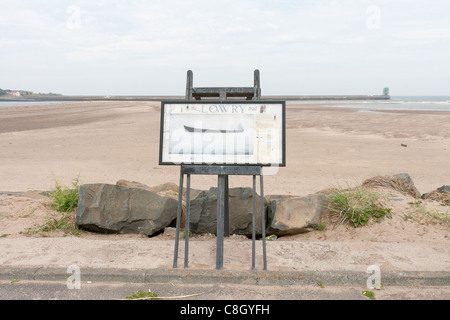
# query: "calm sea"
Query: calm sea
429,103
426,103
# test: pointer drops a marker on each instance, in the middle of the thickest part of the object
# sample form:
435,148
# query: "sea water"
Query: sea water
407,103
411,103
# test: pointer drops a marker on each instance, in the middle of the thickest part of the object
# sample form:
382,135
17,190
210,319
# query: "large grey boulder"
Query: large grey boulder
293,215
203,211
166,189
118,209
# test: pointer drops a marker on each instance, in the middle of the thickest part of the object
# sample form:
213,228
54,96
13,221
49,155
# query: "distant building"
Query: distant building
15,93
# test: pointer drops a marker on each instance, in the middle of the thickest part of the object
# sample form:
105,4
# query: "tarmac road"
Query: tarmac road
39,283
58,290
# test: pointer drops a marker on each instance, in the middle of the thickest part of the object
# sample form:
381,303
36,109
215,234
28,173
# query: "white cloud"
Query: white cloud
291,42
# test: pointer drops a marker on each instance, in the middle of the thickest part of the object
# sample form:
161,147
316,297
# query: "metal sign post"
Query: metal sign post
250,136
222,215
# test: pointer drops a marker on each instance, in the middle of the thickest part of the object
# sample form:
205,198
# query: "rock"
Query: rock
405,177
132,184
441,194
119,209
203,211
289,216
444,188
166,189
170,231
401,182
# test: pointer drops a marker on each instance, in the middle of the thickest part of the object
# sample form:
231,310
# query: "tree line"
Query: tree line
26,93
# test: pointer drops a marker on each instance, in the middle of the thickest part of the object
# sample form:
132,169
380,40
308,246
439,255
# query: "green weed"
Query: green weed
319,227
143,295
58,222
357,206
64,199
65,222
183,235
369,294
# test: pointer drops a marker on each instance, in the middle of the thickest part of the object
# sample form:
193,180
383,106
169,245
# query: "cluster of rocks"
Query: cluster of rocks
132,207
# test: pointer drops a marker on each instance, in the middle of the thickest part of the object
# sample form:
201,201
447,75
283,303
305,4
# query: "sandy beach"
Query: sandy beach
103,142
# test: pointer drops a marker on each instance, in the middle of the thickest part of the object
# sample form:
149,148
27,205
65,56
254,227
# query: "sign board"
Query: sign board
223,133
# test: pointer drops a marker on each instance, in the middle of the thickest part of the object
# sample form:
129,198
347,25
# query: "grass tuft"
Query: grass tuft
65,199
143,295
369,294
357,206
64,222
422,214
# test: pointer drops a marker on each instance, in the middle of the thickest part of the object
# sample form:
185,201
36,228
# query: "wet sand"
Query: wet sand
103,142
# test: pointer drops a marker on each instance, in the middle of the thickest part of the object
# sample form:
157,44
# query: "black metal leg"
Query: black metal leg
263,222
186,229
223,223
220,220
177,233
254,222
226,225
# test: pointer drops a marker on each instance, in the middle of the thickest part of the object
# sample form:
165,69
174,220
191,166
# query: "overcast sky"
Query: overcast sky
300,47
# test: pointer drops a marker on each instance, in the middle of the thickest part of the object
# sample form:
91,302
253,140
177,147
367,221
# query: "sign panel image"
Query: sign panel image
227,133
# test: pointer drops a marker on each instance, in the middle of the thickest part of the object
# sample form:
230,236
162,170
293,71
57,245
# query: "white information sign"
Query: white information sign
224,133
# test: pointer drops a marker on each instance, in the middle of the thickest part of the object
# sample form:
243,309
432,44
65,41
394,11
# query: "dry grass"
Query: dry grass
424,213
394,183
440,196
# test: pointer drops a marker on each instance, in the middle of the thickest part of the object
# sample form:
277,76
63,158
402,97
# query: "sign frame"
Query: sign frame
233,107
